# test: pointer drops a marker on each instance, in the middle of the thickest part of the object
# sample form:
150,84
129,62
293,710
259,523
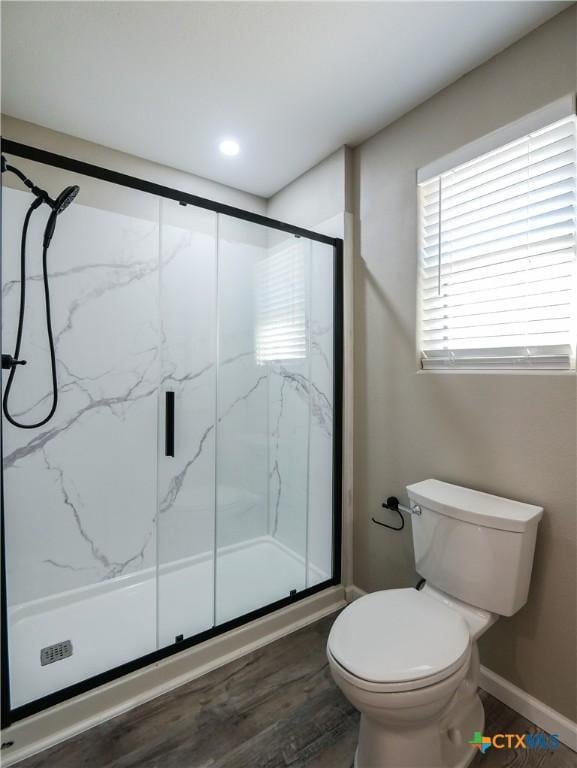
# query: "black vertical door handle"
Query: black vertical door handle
169,425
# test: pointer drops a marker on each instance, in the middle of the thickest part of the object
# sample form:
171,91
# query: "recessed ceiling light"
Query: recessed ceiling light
229,147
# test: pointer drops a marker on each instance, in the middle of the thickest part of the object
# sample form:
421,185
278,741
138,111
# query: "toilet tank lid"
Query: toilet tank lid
475,507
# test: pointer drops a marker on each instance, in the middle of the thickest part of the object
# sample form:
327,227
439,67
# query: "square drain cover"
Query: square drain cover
55,652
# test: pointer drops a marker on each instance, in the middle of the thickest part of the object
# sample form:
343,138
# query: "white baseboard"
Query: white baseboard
536,711
52,726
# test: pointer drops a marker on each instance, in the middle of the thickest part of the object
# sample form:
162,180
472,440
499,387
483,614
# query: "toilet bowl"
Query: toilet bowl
408,659
409,664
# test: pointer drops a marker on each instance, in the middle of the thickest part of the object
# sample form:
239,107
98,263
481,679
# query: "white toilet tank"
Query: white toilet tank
474,546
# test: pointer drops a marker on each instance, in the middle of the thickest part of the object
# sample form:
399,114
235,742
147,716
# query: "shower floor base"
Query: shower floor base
120,620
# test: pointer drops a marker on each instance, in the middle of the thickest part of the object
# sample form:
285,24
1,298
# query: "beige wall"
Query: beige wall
514,435
70,146
318,195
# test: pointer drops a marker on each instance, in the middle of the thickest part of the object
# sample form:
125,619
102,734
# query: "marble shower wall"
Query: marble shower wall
91,497
188,283
242,388
80,492
301,423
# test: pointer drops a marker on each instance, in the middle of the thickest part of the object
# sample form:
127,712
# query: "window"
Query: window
281,323
497,251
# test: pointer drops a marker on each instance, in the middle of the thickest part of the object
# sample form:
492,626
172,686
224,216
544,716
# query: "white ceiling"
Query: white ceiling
291,81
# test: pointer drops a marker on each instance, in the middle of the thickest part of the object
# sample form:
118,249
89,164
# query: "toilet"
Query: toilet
407,659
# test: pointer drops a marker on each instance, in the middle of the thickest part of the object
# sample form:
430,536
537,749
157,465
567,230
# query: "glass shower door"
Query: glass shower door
186,448
245,501
271,412
186,479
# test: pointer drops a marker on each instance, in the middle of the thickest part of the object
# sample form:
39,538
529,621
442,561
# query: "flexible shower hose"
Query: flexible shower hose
21,314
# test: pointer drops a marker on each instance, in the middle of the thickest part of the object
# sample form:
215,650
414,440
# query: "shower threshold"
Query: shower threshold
122,619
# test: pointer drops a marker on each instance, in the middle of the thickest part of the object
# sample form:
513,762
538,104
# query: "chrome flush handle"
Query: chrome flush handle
414,509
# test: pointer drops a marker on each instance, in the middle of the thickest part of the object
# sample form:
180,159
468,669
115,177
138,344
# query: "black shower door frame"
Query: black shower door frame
11,715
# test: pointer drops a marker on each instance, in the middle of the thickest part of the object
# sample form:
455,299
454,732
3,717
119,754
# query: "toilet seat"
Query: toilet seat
399,640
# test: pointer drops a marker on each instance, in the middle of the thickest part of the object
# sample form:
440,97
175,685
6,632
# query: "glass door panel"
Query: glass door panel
186,500
80,491
321,375
263,417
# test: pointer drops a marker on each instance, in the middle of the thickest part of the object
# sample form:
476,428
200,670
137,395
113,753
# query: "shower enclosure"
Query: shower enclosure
190,478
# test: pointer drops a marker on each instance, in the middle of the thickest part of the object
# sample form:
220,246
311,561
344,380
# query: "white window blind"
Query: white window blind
280,300
497,257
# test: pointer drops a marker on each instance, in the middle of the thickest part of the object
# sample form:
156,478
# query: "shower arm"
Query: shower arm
40,193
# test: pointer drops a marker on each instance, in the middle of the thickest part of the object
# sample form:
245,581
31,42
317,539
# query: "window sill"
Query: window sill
497,372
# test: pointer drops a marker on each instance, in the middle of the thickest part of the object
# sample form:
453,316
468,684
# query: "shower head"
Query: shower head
65,198
60,204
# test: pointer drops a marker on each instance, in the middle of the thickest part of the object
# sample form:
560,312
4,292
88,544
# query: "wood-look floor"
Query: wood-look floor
276,708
